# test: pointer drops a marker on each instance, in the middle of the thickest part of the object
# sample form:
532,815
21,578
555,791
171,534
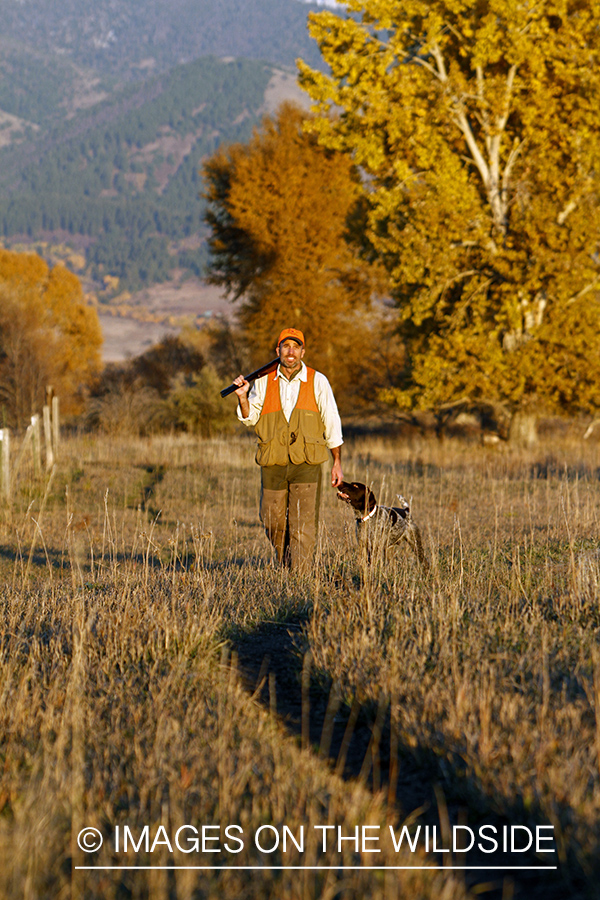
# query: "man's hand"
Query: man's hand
243,386
242,389
336,470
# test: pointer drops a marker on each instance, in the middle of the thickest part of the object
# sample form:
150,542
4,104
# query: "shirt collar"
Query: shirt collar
302,375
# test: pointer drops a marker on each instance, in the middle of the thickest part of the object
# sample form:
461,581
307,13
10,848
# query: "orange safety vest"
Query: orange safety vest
302,439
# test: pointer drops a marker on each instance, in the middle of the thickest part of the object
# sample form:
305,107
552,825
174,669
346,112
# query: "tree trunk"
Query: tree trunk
523,429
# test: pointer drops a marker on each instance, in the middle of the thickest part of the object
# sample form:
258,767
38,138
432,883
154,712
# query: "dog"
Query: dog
384,525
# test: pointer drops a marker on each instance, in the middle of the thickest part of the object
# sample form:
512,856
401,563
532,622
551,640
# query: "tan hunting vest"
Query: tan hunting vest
302,439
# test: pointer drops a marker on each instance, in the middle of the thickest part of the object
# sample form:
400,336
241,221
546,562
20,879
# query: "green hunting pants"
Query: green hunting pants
289,510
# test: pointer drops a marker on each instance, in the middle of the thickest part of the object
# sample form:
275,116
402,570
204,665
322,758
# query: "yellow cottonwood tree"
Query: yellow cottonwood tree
478,127
280,208
48,336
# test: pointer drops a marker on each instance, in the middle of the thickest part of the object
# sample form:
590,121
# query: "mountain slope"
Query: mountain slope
107,108
125,37
122,178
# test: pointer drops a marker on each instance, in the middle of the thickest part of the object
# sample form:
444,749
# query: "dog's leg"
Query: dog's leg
364,542
369,549
415,542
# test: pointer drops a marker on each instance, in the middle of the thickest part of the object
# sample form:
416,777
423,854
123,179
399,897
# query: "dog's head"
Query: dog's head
358,495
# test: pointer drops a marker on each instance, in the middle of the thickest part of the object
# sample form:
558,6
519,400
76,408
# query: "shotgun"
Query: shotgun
264,370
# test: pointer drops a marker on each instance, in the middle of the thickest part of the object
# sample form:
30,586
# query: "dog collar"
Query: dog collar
370,515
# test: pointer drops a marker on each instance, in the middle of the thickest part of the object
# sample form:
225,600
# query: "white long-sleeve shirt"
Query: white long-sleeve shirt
288,393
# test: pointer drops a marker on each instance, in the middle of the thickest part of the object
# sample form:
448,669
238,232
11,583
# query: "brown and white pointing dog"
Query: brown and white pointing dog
387,525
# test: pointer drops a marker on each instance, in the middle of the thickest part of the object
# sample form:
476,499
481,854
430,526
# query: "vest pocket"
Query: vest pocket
315,451
312,426
263,453
271,453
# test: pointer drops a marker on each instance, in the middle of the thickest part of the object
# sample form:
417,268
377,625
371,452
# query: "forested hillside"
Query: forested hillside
123,175
120,36
107,108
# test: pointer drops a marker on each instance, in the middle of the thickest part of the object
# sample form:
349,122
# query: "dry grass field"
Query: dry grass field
157,670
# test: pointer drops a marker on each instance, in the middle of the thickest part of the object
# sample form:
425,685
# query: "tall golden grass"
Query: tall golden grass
128,578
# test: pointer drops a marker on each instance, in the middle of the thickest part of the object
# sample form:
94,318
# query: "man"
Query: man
295,416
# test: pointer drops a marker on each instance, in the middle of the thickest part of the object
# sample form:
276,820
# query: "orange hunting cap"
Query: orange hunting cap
292,333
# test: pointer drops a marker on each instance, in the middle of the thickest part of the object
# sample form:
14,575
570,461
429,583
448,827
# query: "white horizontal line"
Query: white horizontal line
345,868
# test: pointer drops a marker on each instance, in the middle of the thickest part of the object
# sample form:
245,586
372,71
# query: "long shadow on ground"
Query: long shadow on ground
359,742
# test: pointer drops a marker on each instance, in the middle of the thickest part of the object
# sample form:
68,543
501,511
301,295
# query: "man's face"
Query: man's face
290,354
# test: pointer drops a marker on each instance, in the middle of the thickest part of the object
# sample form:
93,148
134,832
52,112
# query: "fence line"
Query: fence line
32,441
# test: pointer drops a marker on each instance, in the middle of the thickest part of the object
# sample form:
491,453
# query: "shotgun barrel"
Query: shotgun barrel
264,370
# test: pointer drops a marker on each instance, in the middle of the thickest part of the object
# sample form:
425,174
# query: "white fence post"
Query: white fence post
55,426
5,462
36,434
48,438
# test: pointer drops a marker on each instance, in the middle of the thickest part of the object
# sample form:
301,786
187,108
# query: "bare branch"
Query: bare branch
564,213
437,55
589,287
510,80
498,194
425,65
460,118
458,277
483,104
460,312
463,123
512,158
489,170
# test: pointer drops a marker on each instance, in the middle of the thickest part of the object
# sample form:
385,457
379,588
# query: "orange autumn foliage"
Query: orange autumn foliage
280,209
48,336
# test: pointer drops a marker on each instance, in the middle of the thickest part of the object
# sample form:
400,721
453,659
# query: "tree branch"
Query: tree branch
564,213
426,65
510,80
589,287
437,55
458,277
461,120
482,104
512,157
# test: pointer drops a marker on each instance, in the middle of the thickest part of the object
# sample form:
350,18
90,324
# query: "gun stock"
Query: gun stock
264,370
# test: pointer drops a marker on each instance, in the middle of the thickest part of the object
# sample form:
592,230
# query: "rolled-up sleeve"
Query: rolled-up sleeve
329,411
256,399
